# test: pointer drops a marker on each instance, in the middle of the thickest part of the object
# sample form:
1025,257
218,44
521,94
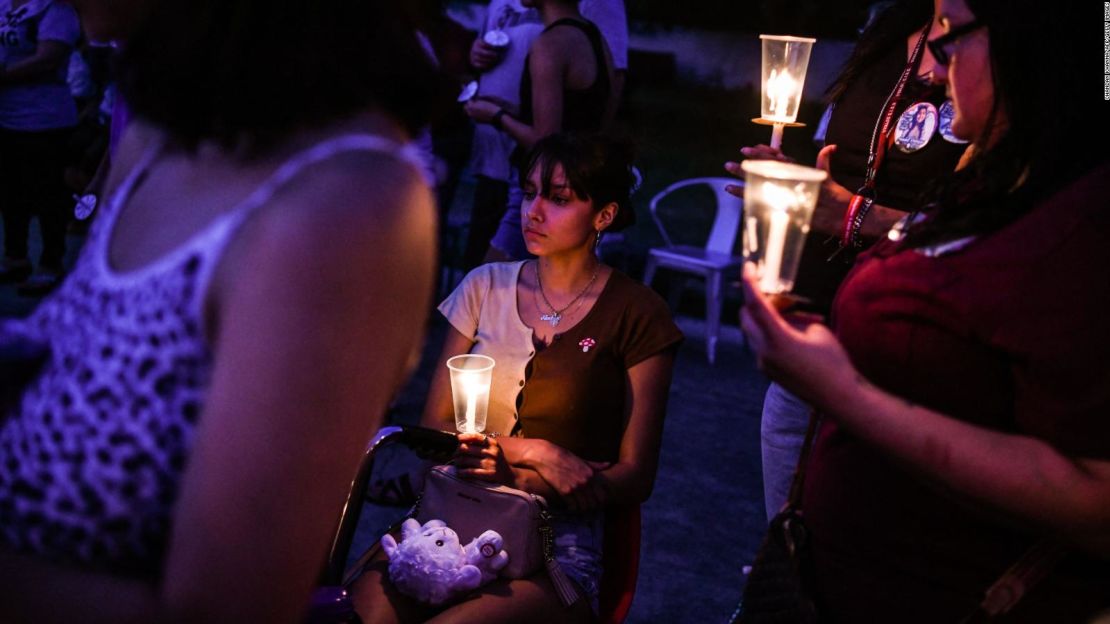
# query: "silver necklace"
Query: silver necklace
554,316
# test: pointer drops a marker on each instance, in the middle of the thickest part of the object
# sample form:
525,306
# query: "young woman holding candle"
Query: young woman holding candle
583,365
963,386
186,449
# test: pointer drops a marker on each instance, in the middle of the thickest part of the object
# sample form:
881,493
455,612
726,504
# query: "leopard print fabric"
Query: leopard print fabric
92,453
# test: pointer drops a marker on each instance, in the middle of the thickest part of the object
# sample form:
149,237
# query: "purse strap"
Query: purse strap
1029,570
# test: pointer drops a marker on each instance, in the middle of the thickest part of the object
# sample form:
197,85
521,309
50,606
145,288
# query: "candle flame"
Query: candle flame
471,382
472,387
779,197
781,90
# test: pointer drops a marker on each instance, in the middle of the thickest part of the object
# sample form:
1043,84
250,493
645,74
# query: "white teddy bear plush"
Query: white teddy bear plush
432,566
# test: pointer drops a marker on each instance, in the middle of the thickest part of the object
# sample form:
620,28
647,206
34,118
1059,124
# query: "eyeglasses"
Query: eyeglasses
939,46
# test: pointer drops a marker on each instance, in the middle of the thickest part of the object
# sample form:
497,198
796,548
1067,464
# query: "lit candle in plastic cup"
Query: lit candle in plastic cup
471,375
779,199
785,61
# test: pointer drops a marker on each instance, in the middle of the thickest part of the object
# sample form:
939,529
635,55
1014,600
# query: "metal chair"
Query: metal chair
331,605
426,443
710,261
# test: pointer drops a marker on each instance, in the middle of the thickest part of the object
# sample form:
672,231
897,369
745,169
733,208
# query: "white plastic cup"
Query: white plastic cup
469,91
497,39
471,376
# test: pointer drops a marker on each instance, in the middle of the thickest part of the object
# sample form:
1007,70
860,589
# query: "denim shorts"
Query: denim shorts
578,543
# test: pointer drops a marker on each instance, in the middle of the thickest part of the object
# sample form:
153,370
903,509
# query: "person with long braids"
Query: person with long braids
963,387
583,366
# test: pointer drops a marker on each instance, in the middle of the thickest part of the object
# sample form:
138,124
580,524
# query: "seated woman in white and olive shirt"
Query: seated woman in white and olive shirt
583,366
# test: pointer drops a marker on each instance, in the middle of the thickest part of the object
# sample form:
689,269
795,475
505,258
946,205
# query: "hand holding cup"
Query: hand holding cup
487,50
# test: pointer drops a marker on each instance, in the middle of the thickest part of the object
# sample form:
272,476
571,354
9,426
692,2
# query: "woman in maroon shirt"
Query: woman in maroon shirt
964,386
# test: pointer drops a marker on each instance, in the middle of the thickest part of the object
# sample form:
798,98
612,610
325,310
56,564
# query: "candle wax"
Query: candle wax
776,243
471,411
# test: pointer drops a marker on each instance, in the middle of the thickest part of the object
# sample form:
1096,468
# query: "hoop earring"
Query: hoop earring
597,239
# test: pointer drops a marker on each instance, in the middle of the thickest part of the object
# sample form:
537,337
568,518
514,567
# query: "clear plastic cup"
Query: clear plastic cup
785,60
471,376
779,199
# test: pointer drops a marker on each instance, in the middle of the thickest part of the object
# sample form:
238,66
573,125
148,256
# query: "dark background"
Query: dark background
816,18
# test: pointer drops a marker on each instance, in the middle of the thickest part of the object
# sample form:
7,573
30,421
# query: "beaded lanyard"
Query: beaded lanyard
863,198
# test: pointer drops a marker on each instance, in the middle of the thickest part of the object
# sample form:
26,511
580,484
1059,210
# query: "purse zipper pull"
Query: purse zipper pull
567,593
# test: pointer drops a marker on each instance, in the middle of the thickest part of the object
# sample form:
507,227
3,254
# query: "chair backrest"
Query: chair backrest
726,223
620,562
426,443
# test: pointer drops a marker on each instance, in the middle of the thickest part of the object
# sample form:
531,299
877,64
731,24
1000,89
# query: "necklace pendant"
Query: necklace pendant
552,318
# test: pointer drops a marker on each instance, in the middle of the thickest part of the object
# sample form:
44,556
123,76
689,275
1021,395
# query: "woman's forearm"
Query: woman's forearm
530,481
526,476
525,135
626,484
519,451
879,221
49,57
621,483
1019,475
828,219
